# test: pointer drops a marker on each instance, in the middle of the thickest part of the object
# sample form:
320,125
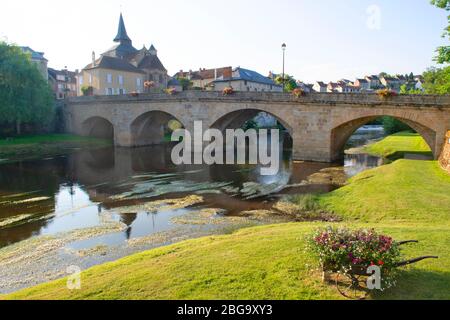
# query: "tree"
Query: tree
392,125
437,81
443,52
185,83
289,82
25,96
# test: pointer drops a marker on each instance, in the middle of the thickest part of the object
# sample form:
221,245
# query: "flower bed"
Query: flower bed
298,92
346,251
228,91
386,93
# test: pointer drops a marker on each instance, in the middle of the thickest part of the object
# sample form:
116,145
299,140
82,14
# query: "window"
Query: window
90,79
60,77
121,91
110,92
138,82
150,77
80,80
161,79
120,79
109,78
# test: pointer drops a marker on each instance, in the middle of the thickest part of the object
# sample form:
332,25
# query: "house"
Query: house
332,87
246,80
123,69
391,83
363,84
308,88
419,83
63,83
204,77
374,82
320,87
39,59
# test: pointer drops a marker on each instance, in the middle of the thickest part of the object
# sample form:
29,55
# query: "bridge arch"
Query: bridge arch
152,128
98,127
342,131
236,119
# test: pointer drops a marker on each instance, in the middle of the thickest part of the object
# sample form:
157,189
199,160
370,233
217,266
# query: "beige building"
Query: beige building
246,80
204,77
123,69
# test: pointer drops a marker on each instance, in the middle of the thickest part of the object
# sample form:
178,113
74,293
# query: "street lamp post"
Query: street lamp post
283,46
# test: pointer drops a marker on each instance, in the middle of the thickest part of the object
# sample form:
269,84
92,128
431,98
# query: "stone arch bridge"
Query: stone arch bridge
319,123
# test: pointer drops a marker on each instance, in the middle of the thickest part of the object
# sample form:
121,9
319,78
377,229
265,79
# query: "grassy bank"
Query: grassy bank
397,145
38,146
407,199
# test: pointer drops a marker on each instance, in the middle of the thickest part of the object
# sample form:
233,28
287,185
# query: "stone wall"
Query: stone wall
445,155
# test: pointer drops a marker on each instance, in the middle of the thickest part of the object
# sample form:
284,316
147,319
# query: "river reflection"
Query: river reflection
53,196
99,205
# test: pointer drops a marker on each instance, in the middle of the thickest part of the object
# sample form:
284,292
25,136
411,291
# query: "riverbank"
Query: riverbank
39,146
270,262
399,145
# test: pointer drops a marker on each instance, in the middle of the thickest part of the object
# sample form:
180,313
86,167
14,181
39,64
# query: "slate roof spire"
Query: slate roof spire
122,35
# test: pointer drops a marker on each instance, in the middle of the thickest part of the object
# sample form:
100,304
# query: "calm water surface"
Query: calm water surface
62,194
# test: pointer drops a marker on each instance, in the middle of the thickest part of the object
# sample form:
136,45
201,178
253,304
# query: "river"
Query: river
96,206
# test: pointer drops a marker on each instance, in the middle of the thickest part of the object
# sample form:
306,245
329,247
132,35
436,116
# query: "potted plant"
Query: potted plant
353,255
386,93
228,91
298,92
134,94
87,90
171,91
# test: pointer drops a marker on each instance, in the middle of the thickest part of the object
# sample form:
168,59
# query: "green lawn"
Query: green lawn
37,146
406,199
397,145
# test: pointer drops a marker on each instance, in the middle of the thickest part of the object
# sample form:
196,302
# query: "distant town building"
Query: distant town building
374,82
320,87
419,83
391,83
39,59
123,69
203,78
308,88
246,80
363,84
63,83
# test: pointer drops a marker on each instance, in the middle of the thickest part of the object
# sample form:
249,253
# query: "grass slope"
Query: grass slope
36,146
407,199
397,145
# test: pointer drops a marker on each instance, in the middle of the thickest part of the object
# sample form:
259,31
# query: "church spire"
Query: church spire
122,35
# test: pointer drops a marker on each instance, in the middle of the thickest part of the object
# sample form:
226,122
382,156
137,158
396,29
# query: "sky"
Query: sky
326,40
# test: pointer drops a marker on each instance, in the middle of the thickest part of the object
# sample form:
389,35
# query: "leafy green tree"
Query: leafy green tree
25,96
392,125
437,81
185,83
443,52
289,82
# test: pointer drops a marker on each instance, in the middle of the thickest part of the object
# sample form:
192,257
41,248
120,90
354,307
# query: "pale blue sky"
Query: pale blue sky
327,39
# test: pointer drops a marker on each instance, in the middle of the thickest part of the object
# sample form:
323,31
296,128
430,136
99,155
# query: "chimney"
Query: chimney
93,58
215,74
